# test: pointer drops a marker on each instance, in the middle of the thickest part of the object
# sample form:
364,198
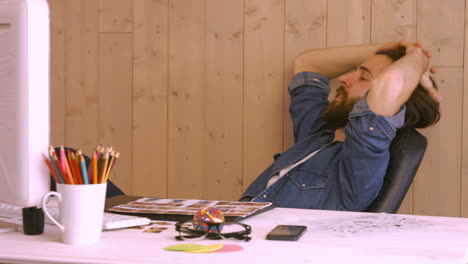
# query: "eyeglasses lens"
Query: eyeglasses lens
213,231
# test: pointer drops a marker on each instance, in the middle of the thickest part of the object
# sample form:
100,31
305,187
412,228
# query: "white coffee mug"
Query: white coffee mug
81,210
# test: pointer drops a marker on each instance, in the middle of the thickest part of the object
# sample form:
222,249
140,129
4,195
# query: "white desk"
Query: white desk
332,237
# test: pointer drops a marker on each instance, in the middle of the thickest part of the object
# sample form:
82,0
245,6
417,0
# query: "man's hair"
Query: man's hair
421,110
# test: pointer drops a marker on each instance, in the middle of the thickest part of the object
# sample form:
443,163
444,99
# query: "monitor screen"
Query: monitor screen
24,101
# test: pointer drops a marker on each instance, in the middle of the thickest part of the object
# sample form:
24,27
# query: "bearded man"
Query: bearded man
341,150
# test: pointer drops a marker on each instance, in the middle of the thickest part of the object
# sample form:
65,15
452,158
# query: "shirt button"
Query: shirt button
264,196
371,128
303,185
389,131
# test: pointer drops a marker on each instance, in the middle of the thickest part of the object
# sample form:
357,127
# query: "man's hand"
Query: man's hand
426,79
393,87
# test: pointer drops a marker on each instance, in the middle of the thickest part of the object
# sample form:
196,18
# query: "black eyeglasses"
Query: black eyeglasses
213,231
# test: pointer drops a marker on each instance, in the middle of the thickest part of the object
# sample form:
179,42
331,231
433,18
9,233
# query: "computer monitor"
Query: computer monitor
24,101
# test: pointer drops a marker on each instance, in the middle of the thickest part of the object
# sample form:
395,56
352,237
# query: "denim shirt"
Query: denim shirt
343,175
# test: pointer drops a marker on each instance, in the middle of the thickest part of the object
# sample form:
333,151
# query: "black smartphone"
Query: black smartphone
286,232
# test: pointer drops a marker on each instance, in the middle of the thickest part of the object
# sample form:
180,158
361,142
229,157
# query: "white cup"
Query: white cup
81,210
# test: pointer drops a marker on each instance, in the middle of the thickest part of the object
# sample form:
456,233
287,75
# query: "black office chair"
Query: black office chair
406,153
112,189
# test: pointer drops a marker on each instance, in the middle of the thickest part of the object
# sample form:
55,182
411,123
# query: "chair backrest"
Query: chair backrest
406,153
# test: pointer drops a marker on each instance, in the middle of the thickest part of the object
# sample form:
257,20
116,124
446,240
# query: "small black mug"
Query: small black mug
33,221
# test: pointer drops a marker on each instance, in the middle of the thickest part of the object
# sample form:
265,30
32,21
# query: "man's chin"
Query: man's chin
335,118
336,115
335,123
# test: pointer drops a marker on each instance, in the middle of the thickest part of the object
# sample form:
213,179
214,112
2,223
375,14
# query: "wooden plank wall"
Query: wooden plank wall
193,92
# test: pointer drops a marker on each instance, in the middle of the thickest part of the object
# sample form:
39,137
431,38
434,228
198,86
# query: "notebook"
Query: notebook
182,209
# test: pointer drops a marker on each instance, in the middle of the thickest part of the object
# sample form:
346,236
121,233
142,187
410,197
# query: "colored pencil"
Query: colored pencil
68,172
56,161
51,169
83,169
103,168
62,158
109,167
99,156
76,161
95,169
73,167
90,169
57,170
61,166
116,158
53,161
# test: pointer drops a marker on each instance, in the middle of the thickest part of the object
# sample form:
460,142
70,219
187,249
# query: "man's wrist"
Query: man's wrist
418,54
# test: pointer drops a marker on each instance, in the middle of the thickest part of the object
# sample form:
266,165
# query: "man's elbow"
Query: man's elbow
302,65
298,64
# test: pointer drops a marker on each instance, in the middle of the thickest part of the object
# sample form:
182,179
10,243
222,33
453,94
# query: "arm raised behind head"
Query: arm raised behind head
394,86
333,62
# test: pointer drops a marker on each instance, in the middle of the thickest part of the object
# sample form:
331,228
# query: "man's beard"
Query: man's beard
336,115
